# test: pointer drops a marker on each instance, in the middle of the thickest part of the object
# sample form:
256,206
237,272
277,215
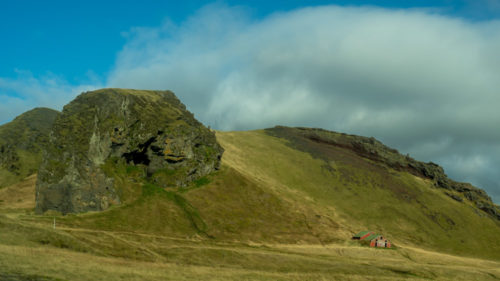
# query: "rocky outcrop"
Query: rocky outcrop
376,151
21,144
151,130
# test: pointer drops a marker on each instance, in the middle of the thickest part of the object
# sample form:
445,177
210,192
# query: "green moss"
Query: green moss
209,152
132,169
168,177
201,181
191,213
150,189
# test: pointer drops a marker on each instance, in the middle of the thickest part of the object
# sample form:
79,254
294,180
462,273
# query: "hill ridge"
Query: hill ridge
371,148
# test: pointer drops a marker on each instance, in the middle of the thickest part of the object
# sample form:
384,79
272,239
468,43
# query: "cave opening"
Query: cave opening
137,157
140,156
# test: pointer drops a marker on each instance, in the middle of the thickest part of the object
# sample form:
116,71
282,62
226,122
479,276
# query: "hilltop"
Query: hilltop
21,144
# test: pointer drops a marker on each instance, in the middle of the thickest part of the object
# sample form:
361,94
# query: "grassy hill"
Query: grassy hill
21,143
276,210
358,193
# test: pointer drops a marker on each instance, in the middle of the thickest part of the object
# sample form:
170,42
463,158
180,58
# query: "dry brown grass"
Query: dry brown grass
206,261
20,195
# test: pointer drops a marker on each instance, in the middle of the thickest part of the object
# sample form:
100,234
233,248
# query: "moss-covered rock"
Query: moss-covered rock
151,130
21,144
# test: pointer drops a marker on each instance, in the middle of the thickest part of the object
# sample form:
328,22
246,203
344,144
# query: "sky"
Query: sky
421,76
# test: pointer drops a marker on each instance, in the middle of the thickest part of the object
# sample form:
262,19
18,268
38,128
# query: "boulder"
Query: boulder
151,130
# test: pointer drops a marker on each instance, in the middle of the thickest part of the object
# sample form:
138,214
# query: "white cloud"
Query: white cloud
415,79
25,92
380,60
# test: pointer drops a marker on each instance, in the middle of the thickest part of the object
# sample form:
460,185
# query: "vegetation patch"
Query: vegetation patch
201,181
191,213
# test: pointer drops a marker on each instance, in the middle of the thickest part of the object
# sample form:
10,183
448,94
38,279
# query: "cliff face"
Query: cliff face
150,130
21,143
370,148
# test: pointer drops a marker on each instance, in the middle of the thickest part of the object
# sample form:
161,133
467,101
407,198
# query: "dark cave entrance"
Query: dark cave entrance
140,155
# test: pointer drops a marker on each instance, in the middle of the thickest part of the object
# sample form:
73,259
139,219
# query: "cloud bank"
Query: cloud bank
424,83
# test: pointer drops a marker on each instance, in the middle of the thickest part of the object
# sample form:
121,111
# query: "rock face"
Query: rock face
376,151
21,144
150,130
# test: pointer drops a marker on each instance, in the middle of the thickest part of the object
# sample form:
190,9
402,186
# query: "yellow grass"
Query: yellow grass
20,195
265,221
191,260
357,195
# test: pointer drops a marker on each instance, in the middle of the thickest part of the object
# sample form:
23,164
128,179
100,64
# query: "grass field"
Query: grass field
106,255
270,213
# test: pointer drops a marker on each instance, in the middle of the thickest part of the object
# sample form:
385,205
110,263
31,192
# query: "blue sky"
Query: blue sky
78,39
421,76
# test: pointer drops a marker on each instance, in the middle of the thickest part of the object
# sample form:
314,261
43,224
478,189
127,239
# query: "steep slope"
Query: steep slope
321,144
21,144
100,131
359,193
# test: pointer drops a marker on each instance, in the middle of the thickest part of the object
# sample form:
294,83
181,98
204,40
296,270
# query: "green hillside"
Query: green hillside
359,193
275,210
269,191
21,143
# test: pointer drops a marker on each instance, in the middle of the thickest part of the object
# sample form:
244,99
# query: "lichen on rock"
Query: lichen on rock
148,129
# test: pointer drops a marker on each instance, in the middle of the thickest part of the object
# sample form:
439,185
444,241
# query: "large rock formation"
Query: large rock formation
151,130
21,144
